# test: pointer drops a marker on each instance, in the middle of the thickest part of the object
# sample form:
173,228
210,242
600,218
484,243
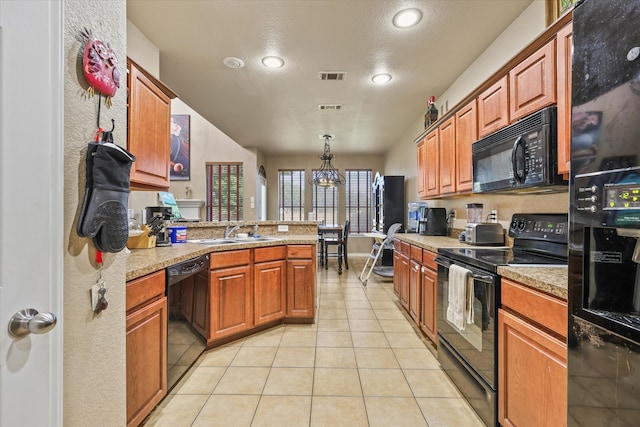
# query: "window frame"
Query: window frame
362,205
234,211
297,194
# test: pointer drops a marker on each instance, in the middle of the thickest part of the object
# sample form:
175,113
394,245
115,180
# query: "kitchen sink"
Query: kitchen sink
214,241
228,241
257,239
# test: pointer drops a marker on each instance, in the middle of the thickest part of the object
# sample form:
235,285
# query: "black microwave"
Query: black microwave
521,157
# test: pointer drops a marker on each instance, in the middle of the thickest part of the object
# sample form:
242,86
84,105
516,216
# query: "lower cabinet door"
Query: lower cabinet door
405,269
414,290
231,301
429,303
300,288
146,359
532,375
270,291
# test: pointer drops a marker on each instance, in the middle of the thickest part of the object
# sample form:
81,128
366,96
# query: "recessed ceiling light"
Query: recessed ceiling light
380,79
272,62
233,62
407,18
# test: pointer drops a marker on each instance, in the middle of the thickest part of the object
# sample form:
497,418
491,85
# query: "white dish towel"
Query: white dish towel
457,296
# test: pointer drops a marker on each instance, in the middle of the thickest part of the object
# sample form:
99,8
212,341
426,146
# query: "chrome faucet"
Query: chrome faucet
228,231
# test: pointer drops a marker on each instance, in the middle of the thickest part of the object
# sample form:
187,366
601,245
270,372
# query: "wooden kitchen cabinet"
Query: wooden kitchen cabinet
401,271
564,44
447,156
432,154
270,276
493,107
532,83
429,295
397,274
422,169
466,135
146,353
415,282
230,294
532,358
149,121
301,279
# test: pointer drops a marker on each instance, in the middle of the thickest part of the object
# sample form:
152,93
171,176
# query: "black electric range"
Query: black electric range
469,354
539,239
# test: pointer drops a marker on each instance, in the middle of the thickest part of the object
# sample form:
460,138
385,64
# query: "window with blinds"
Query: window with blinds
224,191
325,204
291,185
358,199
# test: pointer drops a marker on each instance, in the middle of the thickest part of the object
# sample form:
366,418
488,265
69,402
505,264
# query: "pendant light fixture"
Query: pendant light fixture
327,175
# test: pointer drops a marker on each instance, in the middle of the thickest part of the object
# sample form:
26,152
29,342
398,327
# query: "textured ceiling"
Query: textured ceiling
277,110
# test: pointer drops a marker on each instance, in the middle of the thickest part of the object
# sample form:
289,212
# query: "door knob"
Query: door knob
29,320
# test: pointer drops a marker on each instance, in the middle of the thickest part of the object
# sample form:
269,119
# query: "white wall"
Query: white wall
207,142
94,373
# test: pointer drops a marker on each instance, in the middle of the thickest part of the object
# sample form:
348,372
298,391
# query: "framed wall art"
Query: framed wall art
179,159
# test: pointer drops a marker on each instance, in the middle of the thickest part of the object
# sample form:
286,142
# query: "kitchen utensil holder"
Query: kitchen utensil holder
142,241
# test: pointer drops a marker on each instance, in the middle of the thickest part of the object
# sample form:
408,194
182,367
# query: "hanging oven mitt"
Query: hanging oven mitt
104,209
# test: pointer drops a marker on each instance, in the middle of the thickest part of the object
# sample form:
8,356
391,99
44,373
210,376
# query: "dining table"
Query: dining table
331,230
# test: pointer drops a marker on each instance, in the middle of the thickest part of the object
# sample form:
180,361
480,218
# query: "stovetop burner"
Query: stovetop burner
539,239
491,258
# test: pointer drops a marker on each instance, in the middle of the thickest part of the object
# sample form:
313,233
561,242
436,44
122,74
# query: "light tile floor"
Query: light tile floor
361,363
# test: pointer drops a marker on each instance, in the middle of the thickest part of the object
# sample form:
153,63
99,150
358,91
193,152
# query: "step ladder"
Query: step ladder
381,242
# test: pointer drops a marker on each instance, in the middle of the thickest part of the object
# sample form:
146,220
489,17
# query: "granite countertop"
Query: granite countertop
550,280
145,261
431,243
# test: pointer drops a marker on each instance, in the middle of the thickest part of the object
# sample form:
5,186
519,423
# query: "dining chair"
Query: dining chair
321,249
341,244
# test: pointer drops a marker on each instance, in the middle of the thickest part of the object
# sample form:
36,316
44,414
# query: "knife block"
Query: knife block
142,241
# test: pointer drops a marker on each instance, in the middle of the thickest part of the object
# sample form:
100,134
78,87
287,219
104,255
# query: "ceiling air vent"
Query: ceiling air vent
333,75
327,107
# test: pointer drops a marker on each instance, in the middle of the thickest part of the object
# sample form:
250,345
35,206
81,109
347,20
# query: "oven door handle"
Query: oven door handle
482,278
446,263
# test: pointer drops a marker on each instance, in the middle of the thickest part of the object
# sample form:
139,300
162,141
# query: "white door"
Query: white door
31,214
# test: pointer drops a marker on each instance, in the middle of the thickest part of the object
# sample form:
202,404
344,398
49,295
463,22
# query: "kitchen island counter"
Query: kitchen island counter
145,261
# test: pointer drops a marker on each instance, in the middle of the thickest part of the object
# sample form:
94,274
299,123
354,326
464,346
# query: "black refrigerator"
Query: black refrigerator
604,279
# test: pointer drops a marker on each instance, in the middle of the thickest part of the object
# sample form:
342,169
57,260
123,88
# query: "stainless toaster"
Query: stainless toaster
484,234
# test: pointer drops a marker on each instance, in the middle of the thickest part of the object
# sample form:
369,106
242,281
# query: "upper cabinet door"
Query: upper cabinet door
564,43
148,129
466,135
448,156
493,108
532,83
422,169
432,152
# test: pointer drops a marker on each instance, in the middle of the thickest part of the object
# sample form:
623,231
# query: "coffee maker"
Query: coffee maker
432,221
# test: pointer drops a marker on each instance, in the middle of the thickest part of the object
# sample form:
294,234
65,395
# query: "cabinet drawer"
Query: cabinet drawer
416,253
230,258
271,253
540,308
144,289
428,260
300,251
405,248
397,245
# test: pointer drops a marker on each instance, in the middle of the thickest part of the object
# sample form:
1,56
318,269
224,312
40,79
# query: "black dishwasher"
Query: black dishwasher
184,343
